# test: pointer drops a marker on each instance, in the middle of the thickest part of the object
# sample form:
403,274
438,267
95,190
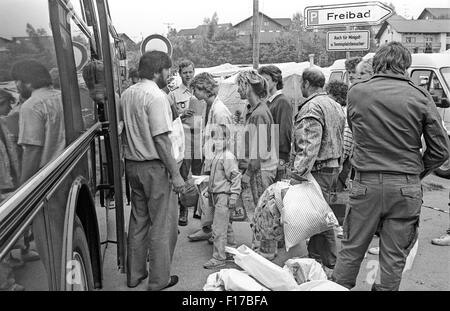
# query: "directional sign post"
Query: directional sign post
364,13
358,40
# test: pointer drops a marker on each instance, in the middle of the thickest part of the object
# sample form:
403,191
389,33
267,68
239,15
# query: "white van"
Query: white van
430,71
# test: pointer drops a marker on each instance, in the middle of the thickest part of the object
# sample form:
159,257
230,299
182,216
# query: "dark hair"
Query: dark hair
205,82
6,97
31,72
274,72
184,64
351,63
252,78
393,57
152,63
54,73
93,73
315,77
338,89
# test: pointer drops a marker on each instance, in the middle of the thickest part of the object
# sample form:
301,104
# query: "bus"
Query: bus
52,235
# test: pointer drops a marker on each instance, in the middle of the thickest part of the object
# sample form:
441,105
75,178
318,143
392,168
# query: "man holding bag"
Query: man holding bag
317,148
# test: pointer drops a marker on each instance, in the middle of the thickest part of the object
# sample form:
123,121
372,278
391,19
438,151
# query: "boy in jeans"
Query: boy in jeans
224,189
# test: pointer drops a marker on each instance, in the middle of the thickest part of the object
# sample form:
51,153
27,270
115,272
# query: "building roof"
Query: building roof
200,29
280,21
416,26
438,13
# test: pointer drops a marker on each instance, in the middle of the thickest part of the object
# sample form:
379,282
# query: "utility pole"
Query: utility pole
168,27
348,52
256,33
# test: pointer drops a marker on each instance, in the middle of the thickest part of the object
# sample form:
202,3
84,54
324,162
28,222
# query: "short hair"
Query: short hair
393,57
351,63
256,81
315,77
338,89
205,82
184,64
152,63
54,73
274,72
31,72
6,97
93,73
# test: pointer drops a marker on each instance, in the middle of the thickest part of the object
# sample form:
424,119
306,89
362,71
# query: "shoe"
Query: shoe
214,264
442,241
340,232
14,263
29,255
229,257
133,285
173,281
374,251
200,235
14,287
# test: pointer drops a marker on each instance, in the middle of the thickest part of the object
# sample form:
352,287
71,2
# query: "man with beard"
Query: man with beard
317,148
153,175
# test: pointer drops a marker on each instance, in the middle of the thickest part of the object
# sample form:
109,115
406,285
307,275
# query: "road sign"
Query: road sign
358,40
364,13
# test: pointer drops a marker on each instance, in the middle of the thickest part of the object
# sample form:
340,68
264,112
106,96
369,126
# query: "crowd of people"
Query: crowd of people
369,133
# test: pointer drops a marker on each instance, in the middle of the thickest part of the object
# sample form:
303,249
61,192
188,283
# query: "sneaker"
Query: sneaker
374,251
29,255
340,232
214,264
442,241
200,235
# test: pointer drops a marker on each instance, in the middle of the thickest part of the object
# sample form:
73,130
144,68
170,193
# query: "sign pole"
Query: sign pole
256,32
347,54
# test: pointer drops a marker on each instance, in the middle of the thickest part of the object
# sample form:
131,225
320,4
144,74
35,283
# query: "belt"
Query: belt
144,161
325,165
380,176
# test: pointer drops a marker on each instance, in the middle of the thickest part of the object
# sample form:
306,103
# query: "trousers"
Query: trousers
153,227
389,204
322,246
222,226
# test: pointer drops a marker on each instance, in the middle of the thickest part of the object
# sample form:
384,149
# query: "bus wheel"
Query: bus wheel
444,170
82,259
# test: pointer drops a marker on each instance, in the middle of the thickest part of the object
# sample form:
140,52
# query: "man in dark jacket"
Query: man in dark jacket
388,114
281,110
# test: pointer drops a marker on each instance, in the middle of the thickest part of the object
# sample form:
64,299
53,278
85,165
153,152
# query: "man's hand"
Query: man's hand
232,202
178,184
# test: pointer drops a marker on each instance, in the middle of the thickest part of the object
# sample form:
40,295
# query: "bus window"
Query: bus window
82,53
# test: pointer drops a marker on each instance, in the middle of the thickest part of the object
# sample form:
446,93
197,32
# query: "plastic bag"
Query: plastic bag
305,212
190,196
267,273
305,270
322,285
232,280
214,283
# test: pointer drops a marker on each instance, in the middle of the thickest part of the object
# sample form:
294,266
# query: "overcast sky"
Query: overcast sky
140,18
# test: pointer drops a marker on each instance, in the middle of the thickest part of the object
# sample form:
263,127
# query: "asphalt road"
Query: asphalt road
430,270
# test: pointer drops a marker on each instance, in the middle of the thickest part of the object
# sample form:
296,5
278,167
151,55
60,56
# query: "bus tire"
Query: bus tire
80,253
444,170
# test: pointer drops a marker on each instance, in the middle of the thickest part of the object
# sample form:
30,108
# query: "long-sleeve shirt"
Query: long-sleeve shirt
225,176
317,135
282,114
388,114
260,149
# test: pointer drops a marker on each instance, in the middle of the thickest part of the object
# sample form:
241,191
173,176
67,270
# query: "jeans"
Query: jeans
389,203
322,246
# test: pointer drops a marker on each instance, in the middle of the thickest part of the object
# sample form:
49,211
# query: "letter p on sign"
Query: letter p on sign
313,17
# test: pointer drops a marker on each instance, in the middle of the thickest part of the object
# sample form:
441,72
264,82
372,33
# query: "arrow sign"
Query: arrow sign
364,13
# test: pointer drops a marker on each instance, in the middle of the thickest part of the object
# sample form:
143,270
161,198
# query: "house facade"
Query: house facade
270,28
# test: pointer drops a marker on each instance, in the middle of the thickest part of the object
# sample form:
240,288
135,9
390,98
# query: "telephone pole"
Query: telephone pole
256,33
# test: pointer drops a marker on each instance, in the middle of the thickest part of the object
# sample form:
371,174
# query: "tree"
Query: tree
212,26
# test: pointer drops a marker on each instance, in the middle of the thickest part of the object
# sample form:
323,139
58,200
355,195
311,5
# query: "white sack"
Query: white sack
305,270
